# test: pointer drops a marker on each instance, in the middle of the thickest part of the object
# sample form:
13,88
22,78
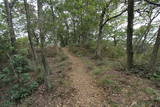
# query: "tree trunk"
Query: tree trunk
114,40
154,54
98,47
68,34
74,32
8,9
53,31
36,37
130,34
42,41
29,30
142,46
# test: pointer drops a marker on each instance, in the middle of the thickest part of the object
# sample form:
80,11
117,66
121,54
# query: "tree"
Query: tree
103,21
154,54
42,42
29,30
149,14
130,34
8,8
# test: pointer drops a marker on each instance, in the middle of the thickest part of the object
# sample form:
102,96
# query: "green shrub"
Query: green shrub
17,76
97,71
7,103
5,47
104,81
141,59
113,51
150,91
20,63
22,43
18,92
108,49
155,76
108,82
23,51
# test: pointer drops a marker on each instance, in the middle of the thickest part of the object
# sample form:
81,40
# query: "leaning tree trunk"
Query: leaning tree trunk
154,54
42,41
130,34
29,30
8,9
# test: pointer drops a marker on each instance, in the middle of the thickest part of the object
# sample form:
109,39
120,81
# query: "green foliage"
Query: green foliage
155,76
141,59
18,92
150,91
97,71
63,58
22,46
16,74
20,63
7,103
112,51
22,42
5,47
79,51
23,51
106,81
109,50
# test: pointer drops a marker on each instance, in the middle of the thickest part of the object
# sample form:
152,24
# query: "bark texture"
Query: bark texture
130,34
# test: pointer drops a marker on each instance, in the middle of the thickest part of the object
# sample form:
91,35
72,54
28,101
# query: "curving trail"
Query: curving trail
87,92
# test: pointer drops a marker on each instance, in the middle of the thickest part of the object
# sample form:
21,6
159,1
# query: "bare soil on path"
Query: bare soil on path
87,92
73,85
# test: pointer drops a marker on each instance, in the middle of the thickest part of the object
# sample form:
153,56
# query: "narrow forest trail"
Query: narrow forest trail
87,92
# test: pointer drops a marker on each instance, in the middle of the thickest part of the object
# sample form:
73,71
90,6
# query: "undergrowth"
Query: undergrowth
111,74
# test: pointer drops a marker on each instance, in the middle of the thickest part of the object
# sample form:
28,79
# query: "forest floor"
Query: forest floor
72,86
79,82
88,94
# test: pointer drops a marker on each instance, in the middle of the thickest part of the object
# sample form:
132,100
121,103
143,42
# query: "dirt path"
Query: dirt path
87,93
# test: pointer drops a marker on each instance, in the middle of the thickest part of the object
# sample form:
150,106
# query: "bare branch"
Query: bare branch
114,16
156,4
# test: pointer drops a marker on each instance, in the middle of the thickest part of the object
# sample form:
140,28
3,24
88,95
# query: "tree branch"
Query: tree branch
156,4
114,17
12,3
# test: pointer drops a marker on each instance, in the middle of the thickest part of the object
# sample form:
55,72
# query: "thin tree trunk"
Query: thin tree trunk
36,37
8,9
114,39
53,31
67,35
154,54
42,40
98,47
29,30
101,26
141,45
74,32
130,34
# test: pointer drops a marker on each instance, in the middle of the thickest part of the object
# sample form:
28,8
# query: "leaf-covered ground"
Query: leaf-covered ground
121,88
84,82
